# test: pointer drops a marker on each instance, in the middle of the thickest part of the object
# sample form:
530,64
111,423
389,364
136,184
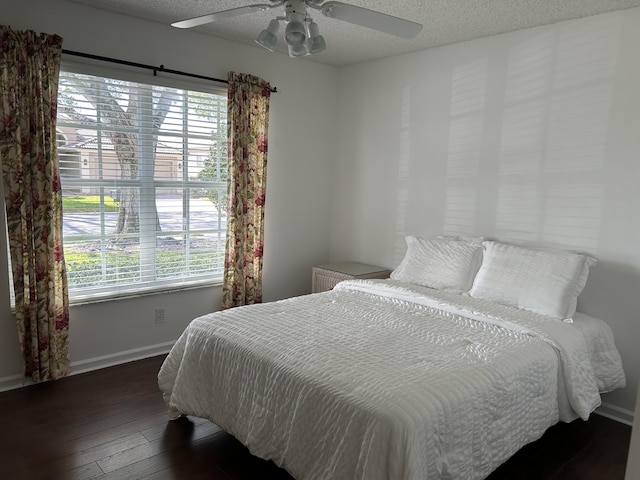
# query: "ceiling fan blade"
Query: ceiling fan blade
214,17
371,19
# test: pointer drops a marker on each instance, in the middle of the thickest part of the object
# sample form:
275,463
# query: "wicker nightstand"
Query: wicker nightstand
326,276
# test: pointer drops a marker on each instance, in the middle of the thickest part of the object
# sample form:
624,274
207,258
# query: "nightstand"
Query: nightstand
326,276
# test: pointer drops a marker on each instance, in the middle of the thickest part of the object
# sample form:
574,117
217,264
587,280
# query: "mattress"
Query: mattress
379,379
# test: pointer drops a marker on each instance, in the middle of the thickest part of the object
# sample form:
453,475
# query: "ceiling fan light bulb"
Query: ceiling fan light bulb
312,29
267,40
298,50
274,25
267,37
316,44
295,33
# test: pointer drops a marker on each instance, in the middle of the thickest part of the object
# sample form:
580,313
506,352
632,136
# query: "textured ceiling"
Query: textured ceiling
445,21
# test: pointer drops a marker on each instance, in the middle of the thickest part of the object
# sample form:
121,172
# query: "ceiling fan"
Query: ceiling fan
302,34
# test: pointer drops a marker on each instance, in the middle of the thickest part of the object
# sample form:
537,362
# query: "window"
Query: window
143,172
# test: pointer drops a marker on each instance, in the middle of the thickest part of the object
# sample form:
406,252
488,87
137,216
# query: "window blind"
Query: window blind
143,171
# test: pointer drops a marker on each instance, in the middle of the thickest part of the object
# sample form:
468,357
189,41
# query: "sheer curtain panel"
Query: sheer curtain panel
29,68
248,117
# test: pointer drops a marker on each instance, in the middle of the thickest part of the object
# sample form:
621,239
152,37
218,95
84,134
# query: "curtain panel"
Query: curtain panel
29,69
248,117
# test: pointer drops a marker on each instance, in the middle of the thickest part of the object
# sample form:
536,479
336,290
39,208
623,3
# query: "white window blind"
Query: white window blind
143,172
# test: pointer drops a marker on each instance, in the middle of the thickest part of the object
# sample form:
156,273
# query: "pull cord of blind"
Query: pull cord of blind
155,69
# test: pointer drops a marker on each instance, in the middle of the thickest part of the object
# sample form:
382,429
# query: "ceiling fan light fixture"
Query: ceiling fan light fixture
267,37
295,33
298,50
301,34
315,41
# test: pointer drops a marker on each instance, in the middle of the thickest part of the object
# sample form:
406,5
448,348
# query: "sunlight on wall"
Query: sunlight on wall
562,140
519,212
402,195
578,122
465,139
460,210
573,215
468,85
521,149
523,156
541,178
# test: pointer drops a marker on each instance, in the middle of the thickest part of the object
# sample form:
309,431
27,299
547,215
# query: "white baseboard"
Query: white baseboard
17,381
112,359
14,381
618,414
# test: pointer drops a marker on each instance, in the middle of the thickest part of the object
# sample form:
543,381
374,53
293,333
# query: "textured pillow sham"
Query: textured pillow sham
541,281
441,263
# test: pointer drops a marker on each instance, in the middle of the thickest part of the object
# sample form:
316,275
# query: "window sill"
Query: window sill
110,297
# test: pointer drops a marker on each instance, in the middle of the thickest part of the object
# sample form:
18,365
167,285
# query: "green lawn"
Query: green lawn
88,204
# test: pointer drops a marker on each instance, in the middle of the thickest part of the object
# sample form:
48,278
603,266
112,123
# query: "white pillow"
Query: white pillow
541,281
441,263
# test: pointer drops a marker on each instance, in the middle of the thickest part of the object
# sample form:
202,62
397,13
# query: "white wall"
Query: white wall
298,178
531,136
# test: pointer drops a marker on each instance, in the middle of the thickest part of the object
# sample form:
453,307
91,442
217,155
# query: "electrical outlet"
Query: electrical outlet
159,316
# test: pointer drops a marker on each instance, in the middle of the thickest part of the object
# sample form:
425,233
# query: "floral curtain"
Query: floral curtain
29,68
248,117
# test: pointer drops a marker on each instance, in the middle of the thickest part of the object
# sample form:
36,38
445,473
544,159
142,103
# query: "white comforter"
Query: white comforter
380,380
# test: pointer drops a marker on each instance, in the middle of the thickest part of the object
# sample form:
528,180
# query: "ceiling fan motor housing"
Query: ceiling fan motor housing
295,6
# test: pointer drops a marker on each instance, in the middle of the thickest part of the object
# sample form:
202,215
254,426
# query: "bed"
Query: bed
402,378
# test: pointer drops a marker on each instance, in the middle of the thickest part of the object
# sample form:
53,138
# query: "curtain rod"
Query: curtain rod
155,70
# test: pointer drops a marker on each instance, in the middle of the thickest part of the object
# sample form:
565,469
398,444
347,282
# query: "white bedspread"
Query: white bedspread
380,380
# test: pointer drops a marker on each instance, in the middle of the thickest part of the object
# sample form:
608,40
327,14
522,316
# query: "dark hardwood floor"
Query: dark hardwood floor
111,424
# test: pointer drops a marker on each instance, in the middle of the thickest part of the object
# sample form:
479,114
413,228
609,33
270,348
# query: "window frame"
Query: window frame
146,195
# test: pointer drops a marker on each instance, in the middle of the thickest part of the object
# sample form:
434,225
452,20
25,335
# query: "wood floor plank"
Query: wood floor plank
164,443
66,461
112,425
580,450
103,434
186,461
